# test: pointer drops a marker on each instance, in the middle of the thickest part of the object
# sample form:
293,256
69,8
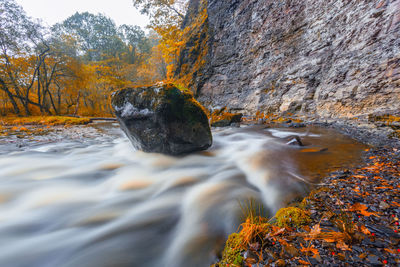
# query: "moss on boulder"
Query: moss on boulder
162,119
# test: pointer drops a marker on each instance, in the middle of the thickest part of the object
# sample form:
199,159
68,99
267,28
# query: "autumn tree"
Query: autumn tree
166,19
18,36
73,67
162,12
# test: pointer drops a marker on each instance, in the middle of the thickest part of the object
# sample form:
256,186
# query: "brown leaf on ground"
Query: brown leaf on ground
341,245
360,176
308,250
364,230
278,232
362,209
396,204
304,262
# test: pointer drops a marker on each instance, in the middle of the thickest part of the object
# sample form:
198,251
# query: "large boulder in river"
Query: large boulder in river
162,119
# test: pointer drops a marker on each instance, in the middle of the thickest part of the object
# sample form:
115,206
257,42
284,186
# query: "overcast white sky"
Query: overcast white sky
53,11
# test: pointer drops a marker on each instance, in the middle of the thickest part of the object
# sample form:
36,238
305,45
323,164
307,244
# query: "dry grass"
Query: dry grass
43,121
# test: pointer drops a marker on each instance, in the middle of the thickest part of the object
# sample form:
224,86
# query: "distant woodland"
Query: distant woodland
72,67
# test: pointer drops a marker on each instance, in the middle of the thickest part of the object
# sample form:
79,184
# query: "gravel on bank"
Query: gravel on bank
353,216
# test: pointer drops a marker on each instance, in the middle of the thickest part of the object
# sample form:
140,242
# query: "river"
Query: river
83,196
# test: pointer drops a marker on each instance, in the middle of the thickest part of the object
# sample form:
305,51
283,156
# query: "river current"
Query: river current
86,197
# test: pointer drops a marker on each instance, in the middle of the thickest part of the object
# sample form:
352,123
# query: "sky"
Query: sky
54,11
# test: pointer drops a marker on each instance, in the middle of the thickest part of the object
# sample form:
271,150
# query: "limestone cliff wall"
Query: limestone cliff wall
323,58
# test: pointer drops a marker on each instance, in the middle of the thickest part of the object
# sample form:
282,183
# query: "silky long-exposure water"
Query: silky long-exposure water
87,198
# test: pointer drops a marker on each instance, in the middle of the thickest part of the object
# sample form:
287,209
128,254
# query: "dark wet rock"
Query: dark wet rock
297,125
374,260
294,141
162,119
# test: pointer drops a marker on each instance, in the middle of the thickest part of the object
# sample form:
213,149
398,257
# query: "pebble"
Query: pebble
383,205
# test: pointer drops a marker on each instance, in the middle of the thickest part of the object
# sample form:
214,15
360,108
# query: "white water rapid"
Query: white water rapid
92,200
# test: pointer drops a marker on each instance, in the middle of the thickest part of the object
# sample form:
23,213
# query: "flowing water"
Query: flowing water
85,197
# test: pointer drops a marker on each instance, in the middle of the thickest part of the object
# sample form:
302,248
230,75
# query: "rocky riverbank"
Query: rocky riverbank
352,219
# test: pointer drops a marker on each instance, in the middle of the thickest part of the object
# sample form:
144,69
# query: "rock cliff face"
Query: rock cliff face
322,58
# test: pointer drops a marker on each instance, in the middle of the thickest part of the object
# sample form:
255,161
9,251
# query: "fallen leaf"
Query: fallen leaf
360,176
362,256
341,245
364,230
390,250
280,231
362,209
308,250
396,204
383,187
304,262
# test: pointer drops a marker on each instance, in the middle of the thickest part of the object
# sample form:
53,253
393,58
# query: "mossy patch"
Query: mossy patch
292,217
232,254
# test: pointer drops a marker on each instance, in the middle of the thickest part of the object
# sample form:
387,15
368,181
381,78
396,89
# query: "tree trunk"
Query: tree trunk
77,103
10,96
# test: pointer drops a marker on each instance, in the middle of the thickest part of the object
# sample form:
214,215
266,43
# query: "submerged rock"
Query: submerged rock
162,119
294,141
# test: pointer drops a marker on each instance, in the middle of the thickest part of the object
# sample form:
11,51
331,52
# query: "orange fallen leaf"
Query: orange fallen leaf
383,187
362,209
390,250
360,176
278,232
362,256
308,250
304,262
356,190
311,150
396,204
364,230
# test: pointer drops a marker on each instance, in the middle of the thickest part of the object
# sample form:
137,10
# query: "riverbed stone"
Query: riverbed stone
162,119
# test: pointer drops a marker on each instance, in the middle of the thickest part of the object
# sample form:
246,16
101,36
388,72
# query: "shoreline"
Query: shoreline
353,217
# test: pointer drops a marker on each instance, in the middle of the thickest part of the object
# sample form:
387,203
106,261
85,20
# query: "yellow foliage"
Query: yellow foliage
197,33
